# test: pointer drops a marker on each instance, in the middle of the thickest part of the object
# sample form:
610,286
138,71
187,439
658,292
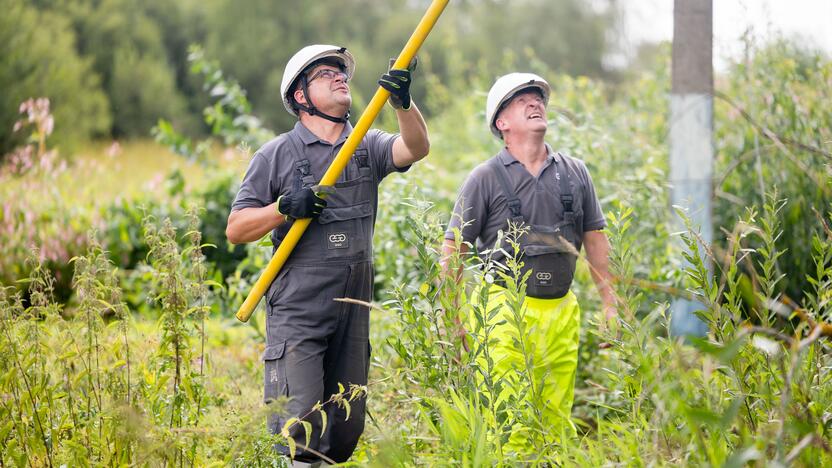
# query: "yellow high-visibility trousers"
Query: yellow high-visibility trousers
552,329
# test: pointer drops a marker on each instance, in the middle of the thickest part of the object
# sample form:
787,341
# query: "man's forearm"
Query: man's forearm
448,262
250,224
451,264
597,253
414,137
603,281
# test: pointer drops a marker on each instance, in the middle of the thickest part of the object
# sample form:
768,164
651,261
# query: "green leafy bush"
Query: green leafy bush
744,393
770,135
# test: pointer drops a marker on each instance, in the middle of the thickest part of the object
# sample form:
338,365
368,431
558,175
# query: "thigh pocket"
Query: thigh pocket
275,383
278,286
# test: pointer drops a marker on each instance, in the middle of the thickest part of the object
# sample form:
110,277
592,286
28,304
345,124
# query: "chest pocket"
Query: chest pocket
346,230
355,183
549,253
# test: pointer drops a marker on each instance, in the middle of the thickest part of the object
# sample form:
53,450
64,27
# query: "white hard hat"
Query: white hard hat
302,59
505,88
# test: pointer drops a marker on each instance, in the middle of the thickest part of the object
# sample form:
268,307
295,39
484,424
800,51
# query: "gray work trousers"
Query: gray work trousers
313,344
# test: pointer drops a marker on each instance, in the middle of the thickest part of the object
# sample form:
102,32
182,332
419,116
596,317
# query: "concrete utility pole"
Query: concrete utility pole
691,133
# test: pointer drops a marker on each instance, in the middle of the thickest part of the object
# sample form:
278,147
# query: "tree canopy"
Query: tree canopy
113,67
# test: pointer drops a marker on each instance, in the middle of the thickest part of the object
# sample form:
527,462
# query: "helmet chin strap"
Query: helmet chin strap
312,110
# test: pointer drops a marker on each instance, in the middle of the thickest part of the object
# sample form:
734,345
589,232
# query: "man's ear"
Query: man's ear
501,125
299,97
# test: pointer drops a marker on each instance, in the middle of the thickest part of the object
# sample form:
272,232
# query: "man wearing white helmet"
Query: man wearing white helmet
552,196
314,343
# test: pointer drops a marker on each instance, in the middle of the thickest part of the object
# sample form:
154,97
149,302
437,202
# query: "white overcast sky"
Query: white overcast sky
809,20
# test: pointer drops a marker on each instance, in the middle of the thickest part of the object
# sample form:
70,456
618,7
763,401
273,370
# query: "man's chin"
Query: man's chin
539,129
344,109
337,108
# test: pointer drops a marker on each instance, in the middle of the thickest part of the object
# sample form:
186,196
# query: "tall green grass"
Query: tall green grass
749,392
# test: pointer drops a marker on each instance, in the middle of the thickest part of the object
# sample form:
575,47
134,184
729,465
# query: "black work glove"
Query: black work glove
305,203
397,81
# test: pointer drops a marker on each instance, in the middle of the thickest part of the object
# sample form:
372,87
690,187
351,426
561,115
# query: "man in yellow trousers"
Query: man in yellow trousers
551,198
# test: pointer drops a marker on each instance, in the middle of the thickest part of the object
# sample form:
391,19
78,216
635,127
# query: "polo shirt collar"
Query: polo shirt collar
307,137
551,154
507,159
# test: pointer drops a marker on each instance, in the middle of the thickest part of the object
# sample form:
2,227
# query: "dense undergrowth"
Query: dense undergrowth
118,346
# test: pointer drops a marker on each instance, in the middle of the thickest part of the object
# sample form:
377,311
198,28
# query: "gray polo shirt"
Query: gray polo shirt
481,208
273,172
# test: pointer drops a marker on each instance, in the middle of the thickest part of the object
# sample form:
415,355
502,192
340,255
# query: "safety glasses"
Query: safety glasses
329,75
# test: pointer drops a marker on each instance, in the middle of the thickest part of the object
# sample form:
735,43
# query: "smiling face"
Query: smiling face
523,114
328,90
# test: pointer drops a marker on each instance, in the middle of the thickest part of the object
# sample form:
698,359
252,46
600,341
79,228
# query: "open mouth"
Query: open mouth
535,115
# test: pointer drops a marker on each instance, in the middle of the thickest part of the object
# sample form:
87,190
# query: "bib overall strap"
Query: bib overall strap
303,178
511,197
303,168
566,197
304,173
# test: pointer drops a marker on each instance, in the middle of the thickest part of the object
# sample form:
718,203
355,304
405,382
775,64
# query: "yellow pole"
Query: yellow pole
337,167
